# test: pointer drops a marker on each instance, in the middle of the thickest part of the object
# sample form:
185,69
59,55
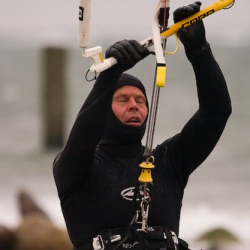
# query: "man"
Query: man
99,163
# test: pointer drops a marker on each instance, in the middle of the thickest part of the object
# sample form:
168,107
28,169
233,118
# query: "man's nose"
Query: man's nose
132,103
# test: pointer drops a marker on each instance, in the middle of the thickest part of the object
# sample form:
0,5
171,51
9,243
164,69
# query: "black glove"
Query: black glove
127,54
195,35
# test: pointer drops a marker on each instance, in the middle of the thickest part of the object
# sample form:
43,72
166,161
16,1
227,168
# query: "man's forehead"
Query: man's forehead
127,90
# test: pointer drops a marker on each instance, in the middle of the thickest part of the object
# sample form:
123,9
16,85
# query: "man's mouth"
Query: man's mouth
134,121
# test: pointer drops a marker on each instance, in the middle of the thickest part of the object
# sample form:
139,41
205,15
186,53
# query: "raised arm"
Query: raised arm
73,165
201,133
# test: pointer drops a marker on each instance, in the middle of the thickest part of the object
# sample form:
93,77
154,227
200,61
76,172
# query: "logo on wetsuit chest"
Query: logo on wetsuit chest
129,245
128,193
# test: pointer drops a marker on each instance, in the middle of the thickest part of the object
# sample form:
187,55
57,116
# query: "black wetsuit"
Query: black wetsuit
95,183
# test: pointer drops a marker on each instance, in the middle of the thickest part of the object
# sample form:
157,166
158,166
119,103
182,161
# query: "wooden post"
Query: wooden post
54,97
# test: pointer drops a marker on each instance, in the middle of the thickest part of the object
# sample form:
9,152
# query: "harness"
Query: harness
134,238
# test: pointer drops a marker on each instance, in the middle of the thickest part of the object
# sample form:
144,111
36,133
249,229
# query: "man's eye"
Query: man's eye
140,100
121,100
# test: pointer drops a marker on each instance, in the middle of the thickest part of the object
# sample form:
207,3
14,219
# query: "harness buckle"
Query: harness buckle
115,238
98,243
175,240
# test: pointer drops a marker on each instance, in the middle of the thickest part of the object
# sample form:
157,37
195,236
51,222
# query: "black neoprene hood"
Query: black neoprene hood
117,132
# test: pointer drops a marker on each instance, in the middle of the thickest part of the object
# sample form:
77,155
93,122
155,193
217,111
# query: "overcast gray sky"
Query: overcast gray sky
53,20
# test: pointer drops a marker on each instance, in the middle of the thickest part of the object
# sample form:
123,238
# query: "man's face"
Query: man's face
129,105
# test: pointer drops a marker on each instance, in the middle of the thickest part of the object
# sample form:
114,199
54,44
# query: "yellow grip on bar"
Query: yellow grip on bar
160,75
220,4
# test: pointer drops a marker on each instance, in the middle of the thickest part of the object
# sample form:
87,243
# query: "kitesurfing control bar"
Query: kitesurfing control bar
100,65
